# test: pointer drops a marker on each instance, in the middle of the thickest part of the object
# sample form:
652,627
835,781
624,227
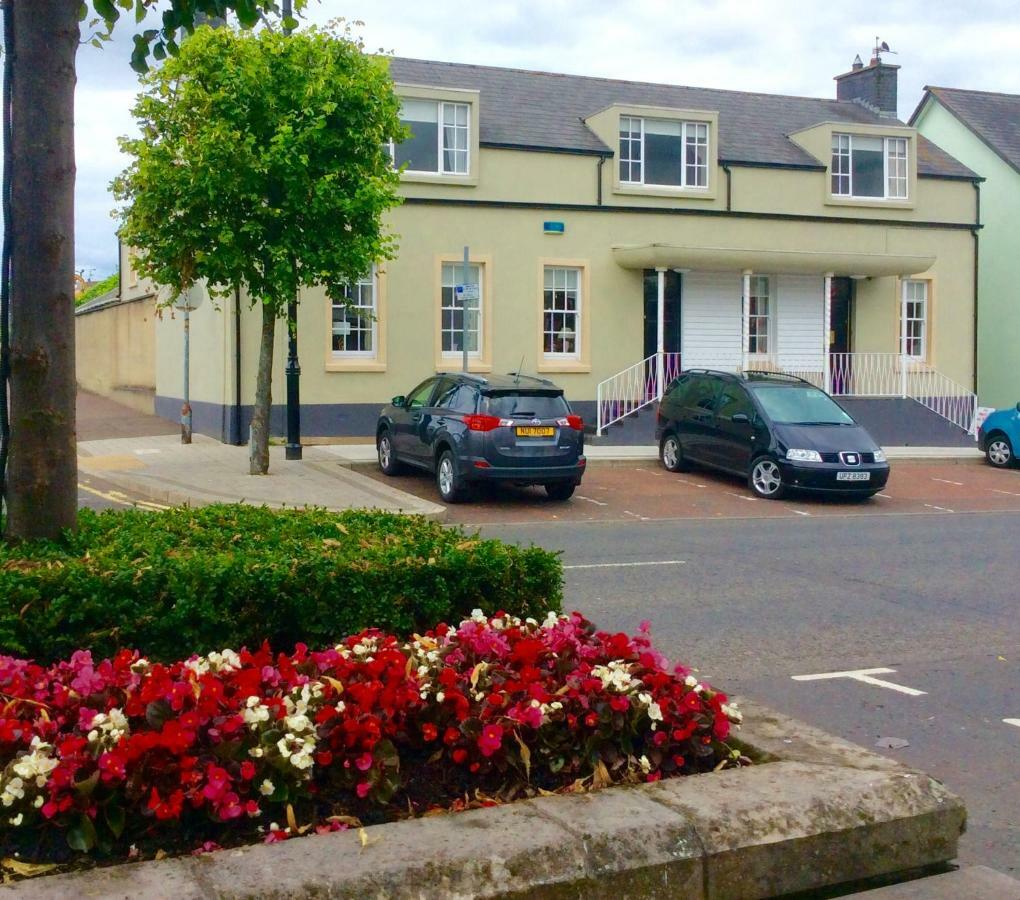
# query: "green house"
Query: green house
982,130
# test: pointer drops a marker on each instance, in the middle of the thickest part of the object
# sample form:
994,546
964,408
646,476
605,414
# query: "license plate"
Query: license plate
853,476
535,431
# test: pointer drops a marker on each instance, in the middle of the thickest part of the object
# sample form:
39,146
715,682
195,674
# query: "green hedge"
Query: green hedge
195,580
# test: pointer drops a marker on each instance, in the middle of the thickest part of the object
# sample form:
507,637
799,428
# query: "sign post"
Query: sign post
186,302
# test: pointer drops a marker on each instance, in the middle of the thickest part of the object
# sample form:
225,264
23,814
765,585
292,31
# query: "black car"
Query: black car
469,428
778,431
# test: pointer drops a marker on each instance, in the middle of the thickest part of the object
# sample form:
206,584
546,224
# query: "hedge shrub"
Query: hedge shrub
195,580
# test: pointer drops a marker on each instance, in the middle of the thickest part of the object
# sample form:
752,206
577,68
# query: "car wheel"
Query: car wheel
999,451
671,455
388,461
450,484
766,478
560,490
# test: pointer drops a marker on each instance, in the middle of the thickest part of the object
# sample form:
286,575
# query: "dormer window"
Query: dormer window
439,141
869,166
663,152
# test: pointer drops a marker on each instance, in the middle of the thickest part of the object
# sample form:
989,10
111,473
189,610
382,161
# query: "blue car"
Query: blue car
999,437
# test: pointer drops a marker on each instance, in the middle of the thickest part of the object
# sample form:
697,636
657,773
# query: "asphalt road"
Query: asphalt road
753,602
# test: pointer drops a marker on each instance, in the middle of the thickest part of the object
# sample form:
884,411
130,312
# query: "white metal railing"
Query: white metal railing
852,375
634,388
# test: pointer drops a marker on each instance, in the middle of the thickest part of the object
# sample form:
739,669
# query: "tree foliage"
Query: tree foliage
262,162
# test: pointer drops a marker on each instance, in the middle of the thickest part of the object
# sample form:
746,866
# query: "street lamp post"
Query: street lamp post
293,370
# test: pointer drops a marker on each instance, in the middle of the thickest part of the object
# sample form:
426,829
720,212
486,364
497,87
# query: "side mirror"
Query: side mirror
740,419
399,401
1018,407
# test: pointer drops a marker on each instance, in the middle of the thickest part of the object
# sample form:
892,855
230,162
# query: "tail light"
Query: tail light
482,423
575,422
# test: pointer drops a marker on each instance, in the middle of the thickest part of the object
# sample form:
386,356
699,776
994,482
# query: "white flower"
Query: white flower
654,712
17,819
690,681
732,713
440,697
478,616
298,722
39,801
551,620
283,747
266,788
302,760
646,766
257,752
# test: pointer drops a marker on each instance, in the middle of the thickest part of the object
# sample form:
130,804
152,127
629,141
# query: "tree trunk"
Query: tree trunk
43,473
263,395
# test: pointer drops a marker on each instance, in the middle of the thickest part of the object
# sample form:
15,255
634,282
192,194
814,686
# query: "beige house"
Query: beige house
620,232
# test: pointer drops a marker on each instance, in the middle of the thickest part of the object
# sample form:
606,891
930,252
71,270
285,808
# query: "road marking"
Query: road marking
800,512
627,565
122,499
864,676
939,508
694,483
947,481
740,496
997,491
627,512
145,452
887,497
590,500
1012,722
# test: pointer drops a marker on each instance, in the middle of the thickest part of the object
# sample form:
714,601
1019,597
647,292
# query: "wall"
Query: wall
115,352
998,290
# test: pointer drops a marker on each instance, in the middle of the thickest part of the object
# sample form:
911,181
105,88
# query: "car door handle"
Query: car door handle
416,417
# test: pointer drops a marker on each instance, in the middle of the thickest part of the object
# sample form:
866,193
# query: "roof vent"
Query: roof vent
858,64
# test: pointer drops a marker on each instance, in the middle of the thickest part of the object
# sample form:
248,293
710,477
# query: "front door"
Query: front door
671,342
840,322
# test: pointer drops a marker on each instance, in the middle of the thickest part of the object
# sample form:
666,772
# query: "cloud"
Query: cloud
777,46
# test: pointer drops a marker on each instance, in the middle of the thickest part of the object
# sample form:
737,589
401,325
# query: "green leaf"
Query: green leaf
157,713
87,786
139,12
159,51
115,817
83,12
107,10
82,837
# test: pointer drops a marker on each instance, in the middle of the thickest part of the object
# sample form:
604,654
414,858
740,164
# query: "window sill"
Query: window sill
453,364
337,364
470,180
564,366
872,202
648,190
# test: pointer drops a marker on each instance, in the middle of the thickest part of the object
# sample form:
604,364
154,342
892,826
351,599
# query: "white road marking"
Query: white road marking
865,677
997,491
740,496
590,500
1012,722
145,452
685,481
887,497
627,512
800,512
947,481
939,508
628,565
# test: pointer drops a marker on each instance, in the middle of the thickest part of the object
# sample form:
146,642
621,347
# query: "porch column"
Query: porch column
745,318
826,330
660,332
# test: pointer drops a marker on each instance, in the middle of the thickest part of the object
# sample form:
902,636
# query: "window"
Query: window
439,138
354,331
532,404
561,312
460,398
914,320
869,166
666,152
454,309
760,315
734,400
701,394
419,397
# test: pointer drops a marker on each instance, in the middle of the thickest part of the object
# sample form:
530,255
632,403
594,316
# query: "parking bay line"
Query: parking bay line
627,565
947,481
1012,722
590,500
740,496
865,677
1011,493
939,508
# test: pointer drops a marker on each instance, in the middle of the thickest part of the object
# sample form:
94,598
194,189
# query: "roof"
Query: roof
110,298
546,111
510,381
994,118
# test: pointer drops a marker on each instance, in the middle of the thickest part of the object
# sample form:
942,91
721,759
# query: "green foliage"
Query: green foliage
196,580
262,161
98,289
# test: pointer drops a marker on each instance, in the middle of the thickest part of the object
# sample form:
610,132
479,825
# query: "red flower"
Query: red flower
459,755
491,739
429,731
247,770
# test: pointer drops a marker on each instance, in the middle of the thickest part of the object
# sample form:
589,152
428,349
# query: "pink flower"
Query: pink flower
364,762
362,789
491,739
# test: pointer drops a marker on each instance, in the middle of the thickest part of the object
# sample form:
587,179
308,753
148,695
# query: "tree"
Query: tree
262,162
41,39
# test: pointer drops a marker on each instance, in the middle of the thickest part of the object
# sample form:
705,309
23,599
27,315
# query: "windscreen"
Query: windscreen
521,404
800,406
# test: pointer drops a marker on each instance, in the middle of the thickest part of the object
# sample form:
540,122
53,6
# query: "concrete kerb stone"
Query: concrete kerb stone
815,812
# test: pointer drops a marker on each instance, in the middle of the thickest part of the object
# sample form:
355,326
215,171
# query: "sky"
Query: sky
776,46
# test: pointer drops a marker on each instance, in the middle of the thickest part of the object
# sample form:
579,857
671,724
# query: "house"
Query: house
622,231
983,130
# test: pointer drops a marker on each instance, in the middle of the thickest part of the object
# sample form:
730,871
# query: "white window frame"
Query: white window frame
456,271
920,338
769,318
895,167
372,283
443,107
688,136
576,313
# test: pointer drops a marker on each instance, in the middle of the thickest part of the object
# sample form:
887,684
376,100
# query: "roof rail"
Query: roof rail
721,372
776,375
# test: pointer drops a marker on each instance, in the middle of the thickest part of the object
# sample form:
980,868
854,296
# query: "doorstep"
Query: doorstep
816,812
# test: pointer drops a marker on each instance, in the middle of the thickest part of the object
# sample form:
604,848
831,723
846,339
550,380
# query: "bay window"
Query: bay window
439,141
663,152
869,166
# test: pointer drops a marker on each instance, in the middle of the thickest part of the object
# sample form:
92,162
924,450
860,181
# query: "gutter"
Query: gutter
236,436
977,305
598,179
729,186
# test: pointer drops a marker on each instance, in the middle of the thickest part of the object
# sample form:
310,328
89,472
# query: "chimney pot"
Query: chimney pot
858,65
874,86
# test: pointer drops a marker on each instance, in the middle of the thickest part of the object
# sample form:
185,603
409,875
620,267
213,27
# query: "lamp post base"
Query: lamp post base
292,451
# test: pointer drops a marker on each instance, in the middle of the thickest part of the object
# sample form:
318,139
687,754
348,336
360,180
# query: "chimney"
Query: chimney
873,86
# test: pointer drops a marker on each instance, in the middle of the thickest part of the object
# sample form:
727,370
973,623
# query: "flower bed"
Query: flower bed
124,757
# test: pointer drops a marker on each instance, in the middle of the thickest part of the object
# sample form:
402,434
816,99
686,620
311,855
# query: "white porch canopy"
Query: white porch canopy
750,259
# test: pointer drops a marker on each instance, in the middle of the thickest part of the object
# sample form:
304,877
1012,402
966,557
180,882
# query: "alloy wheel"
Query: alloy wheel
670,453
385,452
766,478
999,452
446,476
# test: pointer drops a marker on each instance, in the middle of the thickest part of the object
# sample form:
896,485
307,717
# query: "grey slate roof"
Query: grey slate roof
543,110
994,118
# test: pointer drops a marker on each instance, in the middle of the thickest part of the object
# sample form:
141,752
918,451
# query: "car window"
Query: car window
733,399
462,398
420,395
702,394
521,403
800,406
677,391
447,388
